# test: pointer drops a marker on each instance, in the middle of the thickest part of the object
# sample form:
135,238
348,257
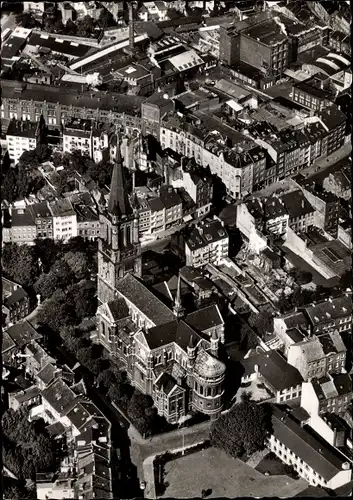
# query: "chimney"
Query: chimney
131,26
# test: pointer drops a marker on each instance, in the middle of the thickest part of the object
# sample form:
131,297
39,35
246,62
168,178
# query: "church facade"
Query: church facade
168,355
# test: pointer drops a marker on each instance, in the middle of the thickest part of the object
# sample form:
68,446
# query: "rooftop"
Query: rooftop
119,103
208,366
61,208
268,33
204,319
20,128
296,204
324,459
328,310
206,232
59,396
59,45
23,333
274,369
173,331
137,294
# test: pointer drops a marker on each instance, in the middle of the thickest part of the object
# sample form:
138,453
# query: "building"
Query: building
163,356
153,11
54,486
339,183
250,224
207,243
43,219
64,219
199,186
153,110
313,93
12,48
270,368
35,8
327,208
15,301
59,105
301,213
318,356
291,328
314,460
23,229
334,121
330,315
21,136
24,398
88,225
84,136
275,216
329,394
119,249
66,12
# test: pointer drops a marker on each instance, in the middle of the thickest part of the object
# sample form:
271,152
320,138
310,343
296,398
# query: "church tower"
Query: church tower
119,250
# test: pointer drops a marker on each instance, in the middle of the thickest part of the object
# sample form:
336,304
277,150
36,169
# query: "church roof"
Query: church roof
174,331
208,366
118,199
135,292
206,318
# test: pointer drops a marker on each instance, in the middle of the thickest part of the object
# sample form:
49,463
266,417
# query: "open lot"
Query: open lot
226,477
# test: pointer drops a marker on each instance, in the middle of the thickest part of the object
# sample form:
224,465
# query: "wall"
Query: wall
254,53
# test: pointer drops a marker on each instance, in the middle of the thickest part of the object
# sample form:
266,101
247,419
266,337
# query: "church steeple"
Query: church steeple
178,308
119,204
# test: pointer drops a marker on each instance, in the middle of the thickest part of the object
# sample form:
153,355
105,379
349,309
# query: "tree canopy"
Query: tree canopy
243,429
27,447
20,263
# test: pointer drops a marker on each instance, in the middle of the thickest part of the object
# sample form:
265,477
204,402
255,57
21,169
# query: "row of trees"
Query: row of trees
24,264
23,179
27,447
242,430
52,22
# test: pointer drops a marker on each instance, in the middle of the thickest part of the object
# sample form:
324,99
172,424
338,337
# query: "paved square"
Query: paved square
227,477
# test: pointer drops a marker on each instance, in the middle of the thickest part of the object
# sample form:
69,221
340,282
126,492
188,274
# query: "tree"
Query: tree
105,378
262,322
101,173
57,311
9,185
70,28
20,263
106,19
84,296
138,404
243,429
78,263
48,251
26,20
85,26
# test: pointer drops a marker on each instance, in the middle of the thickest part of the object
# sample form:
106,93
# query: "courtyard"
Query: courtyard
212,469
258,391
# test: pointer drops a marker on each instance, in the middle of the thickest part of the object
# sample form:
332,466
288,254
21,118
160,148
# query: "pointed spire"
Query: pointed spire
178,309
191,342
118,200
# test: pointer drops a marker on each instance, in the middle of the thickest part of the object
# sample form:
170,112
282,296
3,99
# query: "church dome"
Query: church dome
208,366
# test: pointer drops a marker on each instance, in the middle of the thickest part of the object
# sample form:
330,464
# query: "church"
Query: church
168,354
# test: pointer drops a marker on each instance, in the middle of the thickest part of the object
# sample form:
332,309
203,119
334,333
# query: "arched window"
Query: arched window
208,391
201,390
128,235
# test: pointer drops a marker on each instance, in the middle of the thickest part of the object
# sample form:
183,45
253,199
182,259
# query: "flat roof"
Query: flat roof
59,45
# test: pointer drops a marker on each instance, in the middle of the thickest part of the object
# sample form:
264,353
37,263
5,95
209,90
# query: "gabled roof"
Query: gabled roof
60,396
174,331
137,294
23,333
118,309
204,319
319,455
274,369
165,383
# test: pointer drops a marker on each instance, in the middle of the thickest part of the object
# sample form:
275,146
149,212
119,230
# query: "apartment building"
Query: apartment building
318,356
84,136
43,219
15,301
200,188
315,461
21,136
23,229
300,211
235,167
291,328
333,314
64,219
329,394
30,101
208,242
